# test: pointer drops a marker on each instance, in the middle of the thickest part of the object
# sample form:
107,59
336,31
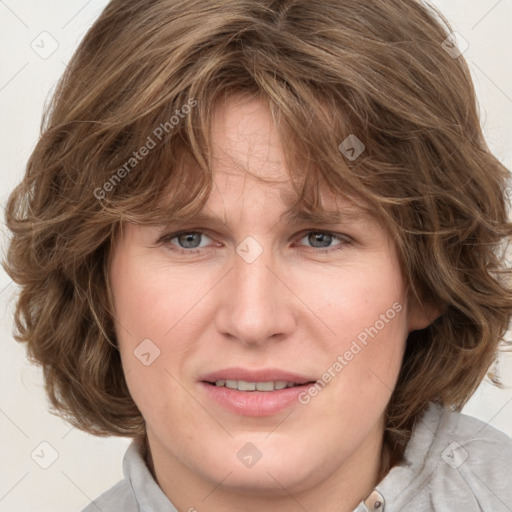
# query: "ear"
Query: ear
422,314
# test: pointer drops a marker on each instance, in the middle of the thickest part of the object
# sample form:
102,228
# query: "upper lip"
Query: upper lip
262,375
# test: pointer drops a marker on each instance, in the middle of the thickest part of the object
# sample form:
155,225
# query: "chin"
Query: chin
278,467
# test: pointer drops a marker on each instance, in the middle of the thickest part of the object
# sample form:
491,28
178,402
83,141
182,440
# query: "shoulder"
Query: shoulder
475,459
471,462
118,497
137,491
471,440
453,461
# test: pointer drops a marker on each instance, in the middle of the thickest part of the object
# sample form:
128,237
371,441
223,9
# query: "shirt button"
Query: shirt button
375,502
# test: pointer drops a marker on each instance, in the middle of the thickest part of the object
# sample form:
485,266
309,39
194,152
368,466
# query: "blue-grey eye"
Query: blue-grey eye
189,240
319,239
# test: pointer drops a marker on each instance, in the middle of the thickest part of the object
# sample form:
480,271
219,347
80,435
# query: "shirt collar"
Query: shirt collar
148,494
394,491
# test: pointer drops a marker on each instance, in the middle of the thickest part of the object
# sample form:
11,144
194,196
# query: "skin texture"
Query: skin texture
297,307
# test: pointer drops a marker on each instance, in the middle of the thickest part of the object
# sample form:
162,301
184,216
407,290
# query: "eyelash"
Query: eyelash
166,241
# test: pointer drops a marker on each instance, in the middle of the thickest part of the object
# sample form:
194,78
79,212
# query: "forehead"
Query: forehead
245,141
253,160
333,210
247,151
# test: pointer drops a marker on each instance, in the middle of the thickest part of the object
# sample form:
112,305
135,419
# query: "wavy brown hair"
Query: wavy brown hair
327,70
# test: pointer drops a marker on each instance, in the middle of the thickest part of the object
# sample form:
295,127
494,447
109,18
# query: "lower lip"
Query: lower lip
255,403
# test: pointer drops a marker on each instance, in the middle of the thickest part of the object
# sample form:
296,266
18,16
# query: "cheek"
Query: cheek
367,314
158,316
153,301
148,314
362,303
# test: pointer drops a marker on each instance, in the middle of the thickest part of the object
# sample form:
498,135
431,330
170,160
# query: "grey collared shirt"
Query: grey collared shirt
453,462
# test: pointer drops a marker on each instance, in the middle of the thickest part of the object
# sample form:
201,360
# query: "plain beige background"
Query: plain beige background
37,39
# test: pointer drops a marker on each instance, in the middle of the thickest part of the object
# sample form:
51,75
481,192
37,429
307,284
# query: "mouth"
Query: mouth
244,385
254,393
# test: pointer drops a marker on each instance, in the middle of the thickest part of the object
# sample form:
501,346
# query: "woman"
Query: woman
262,240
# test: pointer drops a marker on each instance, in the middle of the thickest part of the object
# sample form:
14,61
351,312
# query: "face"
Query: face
254,346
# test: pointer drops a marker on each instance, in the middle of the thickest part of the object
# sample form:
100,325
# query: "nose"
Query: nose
257,303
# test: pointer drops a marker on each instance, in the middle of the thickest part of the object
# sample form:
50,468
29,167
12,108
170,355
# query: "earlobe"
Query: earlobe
421,315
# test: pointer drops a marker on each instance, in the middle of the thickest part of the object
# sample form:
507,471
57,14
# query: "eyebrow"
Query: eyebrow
326,217
292,216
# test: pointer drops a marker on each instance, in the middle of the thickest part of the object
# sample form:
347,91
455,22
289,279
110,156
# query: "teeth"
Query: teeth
265,386
243,385
246,386
232,384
